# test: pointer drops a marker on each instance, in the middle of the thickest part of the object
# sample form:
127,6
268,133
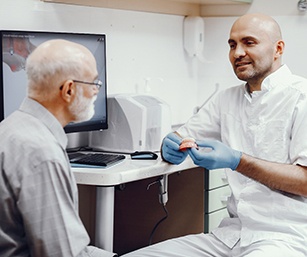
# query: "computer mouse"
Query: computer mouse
143,155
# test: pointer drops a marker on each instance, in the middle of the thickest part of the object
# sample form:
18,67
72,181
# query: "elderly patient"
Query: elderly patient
257,131
38,193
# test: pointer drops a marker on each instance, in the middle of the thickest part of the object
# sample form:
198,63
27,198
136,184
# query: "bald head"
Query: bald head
59,49
259,23
55,61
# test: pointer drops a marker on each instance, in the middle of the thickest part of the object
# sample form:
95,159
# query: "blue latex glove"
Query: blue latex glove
219,156
170,149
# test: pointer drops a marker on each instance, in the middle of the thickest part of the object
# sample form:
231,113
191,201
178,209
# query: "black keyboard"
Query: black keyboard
95,159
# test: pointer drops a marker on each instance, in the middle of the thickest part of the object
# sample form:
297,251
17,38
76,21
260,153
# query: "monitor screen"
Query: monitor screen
17,45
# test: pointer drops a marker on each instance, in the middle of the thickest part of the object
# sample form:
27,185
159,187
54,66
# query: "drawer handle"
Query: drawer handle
224,177
224,198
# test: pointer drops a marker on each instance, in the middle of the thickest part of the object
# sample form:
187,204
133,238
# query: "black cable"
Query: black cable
159,222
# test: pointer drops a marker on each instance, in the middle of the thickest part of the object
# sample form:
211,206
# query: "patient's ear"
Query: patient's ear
68,90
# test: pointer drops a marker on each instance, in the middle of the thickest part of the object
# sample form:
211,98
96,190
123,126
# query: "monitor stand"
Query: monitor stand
77,141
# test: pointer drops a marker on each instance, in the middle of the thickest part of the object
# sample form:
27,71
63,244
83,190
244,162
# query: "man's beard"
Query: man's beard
82,108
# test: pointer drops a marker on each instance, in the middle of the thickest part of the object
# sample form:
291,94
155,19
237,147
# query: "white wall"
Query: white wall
144,50
148,47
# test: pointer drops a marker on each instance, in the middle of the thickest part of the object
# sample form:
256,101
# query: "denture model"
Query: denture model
186,143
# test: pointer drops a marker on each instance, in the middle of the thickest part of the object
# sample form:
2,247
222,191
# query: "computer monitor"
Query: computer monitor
17,45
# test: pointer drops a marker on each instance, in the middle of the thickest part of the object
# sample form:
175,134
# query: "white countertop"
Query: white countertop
127,171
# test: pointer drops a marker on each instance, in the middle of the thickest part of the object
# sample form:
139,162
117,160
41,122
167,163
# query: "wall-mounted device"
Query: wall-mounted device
193,35
302,5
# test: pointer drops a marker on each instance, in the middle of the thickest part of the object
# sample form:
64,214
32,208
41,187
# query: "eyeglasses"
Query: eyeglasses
98,83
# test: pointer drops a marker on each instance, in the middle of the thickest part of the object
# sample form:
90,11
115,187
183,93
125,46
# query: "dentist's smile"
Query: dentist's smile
240,64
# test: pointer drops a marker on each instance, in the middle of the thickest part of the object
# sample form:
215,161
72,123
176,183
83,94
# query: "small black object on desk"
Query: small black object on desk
143,155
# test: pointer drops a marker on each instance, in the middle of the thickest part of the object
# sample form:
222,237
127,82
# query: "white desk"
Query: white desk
105,181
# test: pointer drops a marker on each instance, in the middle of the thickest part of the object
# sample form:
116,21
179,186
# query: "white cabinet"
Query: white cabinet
216,194
178,7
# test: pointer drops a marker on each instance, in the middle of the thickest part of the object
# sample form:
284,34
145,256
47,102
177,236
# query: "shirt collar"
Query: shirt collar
277,78
247,93
35,109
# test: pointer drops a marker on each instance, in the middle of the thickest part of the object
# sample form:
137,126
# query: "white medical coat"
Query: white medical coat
269,124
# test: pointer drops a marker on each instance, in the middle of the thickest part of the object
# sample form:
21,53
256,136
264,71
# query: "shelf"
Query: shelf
177,7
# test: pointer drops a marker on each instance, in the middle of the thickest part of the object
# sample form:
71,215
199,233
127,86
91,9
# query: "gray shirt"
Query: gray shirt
38,193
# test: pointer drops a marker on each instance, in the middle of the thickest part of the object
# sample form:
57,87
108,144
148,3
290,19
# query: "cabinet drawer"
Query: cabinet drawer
216,199
215,178
212,220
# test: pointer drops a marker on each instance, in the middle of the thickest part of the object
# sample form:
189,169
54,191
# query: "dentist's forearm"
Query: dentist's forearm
285,177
